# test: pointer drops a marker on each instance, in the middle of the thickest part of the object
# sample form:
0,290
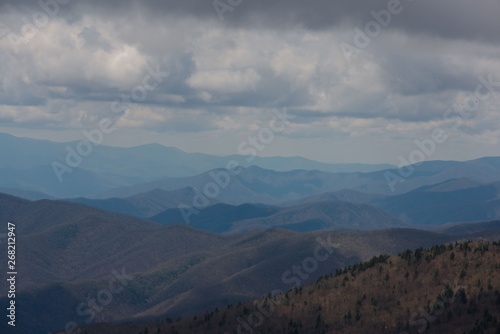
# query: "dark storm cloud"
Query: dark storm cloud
447,18
412,75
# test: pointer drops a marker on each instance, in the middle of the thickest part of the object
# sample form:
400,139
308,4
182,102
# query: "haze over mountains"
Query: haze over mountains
27,164
451,201
123,172
265,186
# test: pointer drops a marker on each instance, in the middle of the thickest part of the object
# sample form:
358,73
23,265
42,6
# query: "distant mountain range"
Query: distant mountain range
26,164
143,205
108,172
240,206
258,185
461,200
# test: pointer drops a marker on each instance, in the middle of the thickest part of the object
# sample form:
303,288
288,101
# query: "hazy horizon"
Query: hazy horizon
131,145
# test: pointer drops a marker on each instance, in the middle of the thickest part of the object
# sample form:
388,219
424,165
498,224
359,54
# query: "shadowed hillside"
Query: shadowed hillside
324,215
143,205
216,218
311,216
450,288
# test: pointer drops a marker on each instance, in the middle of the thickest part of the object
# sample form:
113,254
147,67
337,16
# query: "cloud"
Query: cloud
455,19
225,81
227,76
458,19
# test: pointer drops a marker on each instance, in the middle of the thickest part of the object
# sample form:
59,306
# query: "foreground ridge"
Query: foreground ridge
452,288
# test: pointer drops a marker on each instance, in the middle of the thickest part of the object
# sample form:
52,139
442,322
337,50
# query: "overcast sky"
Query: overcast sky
358,91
